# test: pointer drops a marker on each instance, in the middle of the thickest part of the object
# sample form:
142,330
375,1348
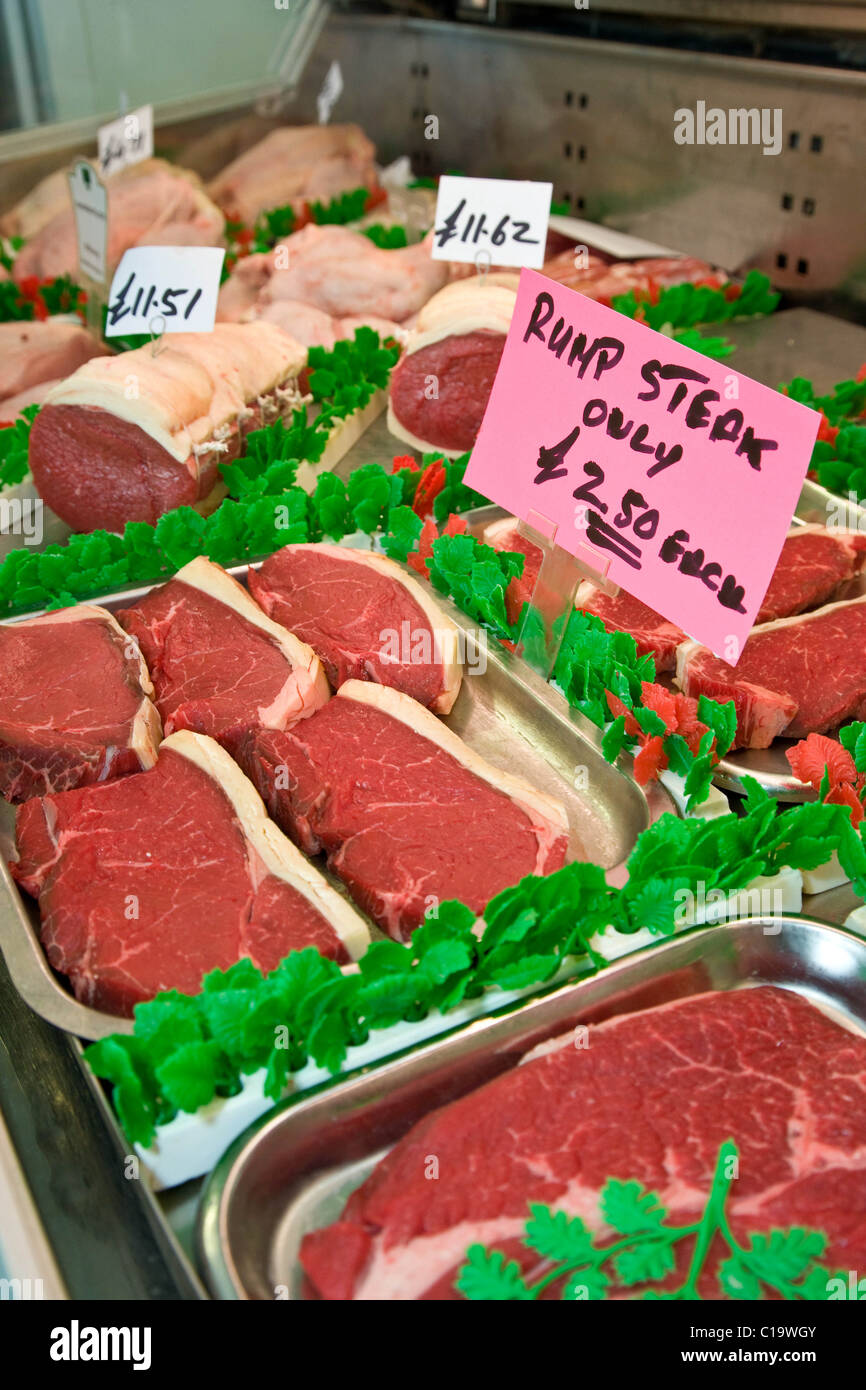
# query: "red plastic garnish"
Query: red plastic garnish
430,484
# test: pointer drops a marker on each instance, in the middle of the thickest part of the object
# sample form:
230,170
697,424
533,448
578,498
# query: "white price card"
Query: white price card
165,289
90,204
506,219
126,140
332,90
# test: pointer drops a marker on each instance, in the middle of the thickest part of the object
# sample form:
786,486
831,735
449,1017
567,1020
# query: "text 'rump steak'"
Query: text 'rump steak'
128,438
798,676
364,618
148,883
408,814
651,1097
219,666
75,704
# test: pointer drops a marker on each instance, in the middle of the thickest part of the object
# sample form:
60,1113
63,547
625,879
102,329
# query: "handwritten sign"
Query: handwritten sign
90,205
175,287
126,140
678,471
507,218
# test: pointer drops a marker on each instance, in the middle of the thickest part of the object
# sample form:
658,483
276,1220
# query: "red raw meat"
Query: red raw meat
148,883
464,367
364,618
797,676
654,635
599,280
652,1098
813,565
219,666
407,813
101,457
75,704
440,387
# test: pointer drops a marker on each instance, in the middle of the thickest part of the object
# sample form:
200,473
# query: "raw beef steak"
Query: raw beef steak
651,1098
407,813
148,883
440,387
364,618
219,666
654,636
798,676
75,704
813,565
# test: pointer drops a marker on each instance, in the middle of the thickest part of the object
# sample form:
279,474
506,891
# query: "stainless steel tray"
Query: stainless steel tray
508,714
292,1171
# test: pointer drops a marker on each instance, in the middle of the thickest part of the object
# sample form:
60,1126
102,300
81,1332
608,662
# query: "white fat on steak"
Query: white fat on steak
306,681
275,852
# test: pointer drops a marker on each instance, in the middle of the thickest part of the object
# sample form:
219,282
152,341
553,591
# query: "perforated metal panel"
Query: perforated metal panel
598,120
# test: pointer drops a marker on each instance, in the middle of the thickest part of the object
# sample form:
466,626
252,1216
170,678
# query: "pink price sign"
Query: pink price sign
672,472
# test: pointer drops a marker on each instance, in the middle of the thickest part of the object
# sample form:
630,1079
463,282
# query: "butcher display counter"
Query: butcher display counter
109,1234
86,1213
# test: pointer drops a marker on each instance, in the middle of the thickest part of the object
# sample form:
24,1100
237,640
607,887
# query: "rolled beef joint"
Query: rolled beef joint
128,438
440,387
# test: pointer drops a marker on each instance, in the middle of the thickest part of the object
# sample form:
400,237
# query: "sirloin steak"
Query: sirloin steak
219,666
148,883
408,815
798,676
75,703
651,1098
364,618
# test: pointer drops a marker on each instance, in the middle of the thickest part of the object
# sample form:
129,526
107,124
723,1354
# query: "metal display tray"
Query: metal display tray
292,1171
506,713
